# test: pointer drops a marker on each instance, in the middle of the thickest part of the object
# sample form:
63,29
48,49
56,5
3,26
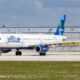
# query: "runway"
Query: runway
34,56
41,58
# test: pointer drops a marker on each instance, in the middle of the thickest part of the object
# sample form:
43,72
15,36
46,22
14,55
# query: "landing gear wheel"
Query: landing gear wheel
42,54
18,53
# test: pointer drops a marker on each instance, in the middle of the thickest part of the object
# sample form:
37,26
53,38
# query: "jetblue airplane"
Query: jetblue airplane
39,42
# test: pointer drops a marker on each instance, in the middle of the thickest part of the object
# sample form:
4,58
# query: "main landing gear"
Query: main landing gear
43,54
18,53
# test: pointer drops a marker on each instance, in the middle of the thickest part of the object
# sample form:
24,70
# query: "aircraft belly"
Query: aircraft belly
10,45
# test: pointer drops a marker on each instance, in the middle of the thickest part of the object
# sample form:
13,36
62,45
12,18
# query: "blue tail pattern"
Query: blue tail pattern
60,29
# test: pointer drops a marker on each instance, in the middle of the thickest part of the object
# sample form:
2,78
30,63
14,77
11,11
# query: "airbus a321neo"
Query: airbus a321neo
39,42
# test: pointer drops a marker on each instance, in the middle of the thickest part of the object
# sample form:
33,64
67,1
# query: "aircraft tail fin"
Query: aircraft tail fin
60,29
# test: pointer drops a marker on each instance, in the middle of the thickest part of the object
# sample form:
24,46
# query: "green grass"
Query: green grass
39,70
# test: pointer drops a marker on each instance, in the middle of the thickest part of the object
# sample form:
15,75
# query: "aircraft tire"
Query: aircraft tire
42,54
18,53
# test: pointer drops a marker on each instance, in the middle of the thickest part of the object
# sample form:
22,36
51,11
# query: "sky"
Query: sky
39,12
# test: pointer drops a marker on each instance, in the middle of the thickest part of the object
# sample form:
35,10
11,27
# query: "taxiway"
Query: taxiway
34,56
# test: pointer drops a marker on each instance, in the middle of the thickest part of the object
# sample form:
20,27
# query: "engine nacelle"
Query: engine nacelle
42,48
6,50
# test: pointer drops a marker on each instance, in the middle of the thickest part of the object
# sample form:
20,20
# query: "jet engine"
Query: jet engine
6,50
42,49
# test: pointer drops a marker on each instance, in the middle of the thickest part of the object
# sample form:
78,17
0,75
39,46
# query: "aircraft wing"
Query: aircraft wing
71,43
66,43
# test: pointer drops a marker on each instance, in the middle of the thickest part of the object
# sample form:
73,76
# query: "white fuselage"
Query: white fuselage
26,40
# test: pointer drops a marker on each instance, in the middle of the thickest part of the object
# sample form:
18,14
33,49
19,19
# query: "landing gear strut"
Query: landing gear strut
18,53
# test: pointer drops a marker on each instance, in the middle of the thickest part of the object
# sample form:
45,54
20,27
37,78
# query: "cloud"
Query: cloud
38,4
39,12
61,3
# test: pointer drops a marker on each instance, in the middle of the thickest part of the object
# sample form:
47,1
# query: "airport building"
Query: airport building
72,32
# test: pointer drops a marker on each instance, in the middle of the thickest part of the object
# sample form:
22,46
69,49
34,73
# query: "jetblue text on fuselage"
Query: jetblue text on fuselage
14,39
